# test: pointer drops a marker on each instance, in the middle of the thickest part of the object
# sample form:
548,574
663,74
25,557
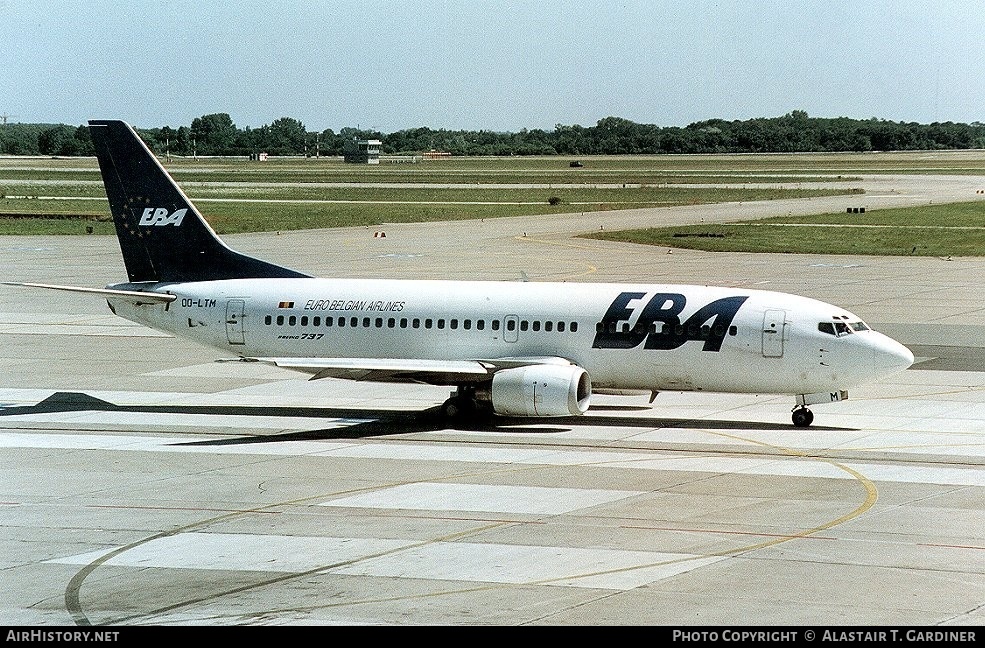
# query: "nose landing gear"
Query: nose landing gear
802,417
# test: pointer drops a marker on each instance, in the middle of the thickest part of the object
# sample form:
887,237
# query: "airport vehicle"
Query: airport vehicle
532,349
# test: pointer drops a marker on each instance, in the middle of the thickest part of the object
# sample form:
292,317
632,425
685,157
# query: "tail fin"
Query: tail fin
162,236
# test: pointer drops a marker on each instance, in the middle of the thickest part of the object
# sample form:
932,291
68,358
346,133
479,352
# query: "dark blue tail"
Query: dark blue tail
162,236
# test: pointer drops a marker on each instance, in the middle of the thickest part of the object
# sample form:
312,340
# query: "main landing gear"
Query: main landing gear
802,417
464,406
458,407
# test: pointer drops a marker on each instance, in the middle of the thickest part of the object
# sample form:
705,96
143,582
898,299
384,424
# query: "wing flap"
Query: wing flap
431,372
435,372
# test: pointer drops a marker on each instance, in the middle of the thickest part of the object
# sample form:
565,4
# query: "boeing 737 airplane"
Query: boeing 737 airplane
511,348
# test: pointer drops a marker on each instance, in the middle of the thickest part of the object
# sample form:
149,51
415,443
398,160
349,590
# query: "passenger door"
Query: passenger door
774,321
234,321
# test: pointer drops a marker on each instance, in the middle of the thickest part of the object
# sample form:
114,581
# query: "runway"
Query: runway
145,484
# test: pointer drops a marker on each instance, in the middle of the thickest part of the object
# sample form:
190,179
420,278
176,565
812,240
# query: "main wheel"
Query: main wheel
451,408
802,417
458,408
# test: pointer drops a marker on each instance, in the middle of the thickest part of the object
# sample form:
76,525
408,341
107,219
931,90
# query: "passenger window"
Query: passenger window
560,327
304,320
548,326
574,327
536,326
379,322
428,323
454,324
353,321
480,325
341,321
467,325
328,321
280,320
316,321
292,321
391,322
495,325
441,323
366,322
268,319
523,325
403,322
510,325
417,323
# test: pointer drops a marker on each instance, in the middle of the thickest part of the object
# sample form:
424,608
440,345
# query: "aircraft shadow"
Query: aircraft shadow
376,422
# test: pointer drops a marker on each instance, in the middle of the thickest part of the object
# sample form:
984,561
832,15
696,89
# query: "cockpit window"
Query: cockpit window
836,329
858,326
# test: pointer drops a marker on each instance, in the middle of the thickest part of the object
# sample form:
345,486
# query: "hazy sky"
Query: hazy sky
489,64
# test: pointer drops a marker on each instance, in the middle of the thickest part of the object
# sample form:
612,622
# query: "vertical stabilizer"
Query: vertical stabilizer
162,235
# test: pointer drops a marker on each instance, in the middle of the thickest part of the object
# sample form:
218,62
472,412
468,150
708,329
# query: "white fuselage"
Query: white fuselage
626,336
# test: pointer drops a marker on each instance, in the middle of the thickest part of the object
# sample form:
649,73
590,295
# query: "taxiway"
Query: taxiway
143,483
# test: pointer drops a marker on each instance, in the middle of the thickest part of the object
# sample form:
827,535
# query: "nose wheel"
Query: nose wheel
802,417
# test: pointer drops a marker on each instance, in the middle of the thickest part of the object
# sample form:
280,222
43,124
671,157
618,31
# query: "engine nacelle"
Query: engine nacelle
541,390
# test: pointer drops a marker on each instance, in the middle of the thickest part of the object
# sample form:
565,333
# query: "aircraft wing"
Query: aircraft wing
431,372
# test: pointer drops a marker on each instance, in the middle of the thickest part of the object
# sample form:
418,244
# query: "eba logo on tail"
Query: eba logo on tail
158,217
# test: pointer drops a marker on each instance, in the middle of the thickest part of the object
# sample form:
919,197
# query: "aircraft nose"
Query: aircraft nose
891,356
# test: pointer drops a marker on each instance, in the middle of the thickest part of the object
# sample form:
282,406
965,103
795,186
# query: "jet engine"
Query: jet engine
541,390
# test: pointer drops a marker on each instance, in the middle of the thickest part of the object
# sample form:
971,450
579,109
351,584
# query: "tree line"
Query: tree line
216,134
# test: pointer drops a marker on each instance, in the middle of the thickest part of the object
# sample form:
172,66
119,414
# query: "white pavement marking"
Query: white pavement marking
456,561
518,564
242,552
486,498
772,466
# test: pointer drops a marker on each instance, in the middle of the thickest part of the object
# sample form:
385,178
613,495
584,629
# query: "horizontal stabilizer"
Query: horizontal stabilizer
137,296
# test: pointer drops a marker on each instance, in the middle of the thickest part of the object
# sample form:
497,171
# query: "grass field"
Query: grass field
41,196
956,229
65,196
